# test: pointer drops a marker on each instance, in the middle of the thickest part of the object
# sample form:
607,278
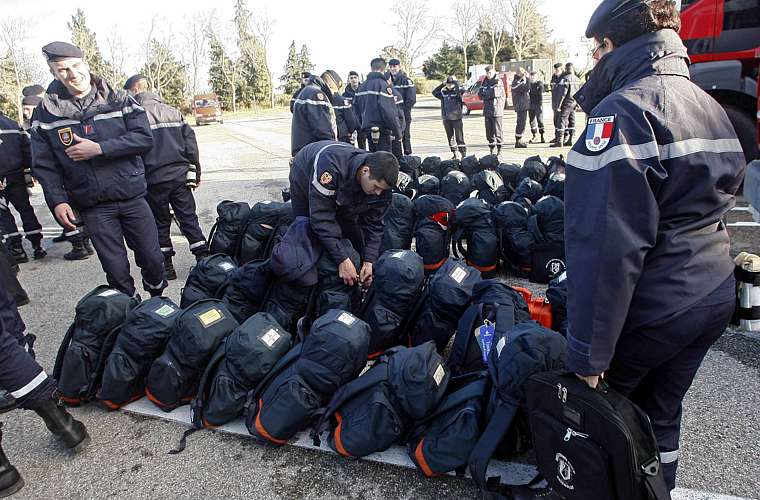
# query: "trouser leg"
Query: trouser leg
539,116
142,238
654,366
397,147
10,231
105,230
522,118
158,200
532,121
18,196
361,140
183,202
489,120
407,132
385,143
21,375
459,135
497,132
448,126
570,124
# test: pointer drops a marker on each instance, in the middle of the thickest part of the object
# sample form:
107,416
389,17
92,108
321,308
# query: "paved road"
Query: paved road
247,160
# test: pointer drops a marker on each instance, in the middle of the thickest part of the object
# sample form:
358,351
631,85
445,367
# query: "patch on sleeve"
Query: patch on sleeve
326,178
599,131
320,96
389,90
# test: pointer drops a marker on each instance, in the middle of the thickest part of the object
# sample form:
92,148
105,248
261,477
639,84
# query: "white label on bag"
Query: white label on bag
500,345
165,311
210,317
270,337
458,274
226,266
108,293
398,255
346,319
440,372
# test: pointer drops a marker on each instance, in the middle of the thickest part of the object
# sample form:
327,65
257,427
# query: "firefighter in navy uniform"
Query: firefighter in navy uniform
172,168
650,281
558,90
450,94
521,102
86,144
397,146
536,111
493,96
376,109
345,192
15,178
313,115
349,93
570,84
25,385
408,91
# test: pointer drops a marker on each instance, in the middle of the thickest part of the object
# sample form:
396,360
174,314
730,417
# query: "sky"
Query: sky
337,38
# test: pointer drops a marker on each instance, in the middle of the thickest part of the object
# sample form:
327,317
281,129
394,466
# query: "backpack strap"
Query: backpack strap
462,337
374,376
204,388
212,232
457,244
100,366
58,367
484,449
411,318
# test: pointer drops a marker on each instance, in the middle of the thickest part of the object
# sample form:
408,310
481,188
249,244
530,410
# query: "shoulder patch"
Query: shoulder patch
599,131
389,90
326,178
320,96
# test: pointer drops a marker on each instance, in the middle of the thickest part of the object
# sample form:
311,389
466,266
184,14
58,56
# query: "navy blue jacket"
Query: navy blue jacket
174,144
451,101
14,149
401,111
313,117
520,93
375,105
536,93
493,96
559,90
405,86
570,84
643,232
112,119
345,119
349,92
326,170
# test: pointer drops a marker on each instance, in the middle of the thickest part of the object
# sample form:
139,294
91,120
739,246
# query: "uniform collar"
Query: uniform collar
658,53
148,96
59,102
375,74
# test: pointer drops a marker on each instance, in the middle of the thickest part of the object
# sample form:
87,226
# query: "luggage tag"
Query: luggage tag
484,335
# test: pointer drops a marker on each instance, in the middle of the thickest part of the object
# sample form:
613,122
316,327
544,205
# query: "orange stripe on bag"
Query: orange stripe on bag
338,440
434,267
420,456
155,400
263,432
482,269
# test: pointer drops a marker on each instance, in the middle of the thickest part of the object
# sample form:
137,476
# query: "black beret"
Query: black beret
609,10
305,74
30,90
133,80
558,65
451,79
31,100
352,73
394,62
55,51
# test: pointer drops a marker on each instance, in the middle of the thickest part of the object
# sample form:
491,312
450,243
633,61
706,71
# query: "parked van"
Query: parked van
207,109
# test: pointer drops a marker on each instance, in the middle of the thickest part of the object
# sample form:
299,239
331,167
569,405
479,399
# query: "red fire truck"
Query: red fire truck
723,39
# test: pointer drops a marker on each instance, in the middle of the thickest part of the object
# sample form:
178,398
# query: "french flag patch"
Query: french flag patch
599,132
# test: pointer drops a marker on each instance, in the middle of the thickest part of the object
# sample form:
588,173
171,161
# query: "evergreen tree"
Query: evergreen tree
82,37
447,61
304,61
166,75
225,74
257,85
291,77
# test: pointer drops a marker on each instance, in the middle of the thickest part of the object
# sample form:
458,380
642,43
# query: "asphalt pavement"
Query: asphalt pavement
248,160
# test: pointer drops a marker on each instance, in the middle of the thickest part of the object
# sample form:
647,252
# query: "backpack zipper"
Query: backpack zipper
571,433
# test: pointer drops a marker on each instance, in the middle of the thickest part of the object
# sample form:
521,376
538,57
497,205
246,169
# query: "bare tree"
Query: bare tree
415,28
161,68
116,55
226,63
464,25
263,27
495,22
196,47
527,26
18,67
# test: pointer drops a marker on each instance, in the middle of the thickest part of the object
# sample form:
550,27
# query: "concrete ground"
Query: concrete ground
248,160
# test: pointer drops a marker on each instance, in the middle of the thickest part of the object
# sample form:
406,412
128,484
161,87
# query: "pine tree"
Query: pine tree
82,37
304,61
256,86
291,77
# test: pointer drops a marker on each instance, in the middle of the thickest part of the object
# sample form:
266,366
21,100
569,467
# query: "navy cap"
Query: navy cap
394,62
32,90
305,74
133,80
352,73
558,66
55,51
31,100
451,79
610,10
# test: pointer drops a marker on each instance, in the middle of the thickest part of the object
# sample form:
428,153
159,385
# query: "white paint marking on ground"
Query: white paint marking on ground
743,224
740,209
511,472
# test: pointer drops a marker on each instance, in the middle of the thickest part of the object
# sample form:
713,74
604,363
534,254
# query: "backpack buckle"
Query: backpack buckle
652,467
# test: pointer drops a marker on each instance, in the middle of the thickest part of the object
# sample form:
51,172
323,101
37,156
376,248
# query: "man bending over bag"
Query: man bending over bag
345,192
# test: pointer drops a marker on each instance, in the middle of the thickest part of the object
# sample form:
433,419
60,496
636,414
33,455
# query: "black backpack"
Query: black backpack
442,441
428,184
556,294
399,224
439,308
239,364
257,235
431,166
509,173
142,339
528,192
432,234
289,301
378,409
224,236
88,341
496,307
332,354
475,237
489,187
533,168
247,288
332,292
489,162
448,166
207,279
546,226
455,187
519,353
555,179
197,333
410,165
592,443
399,275
470,165
515,241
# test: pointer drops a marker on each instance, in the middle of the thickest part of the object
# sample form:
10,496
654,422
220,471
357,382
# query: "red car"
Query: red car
471,100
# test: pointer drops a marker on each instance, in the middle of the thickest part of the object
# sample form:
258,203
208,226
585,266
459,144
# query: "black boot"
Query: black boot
18,253
491,149
542,138
39,252
519,144
557,142
498,150
201,255
61,237
169,272
78,251
462,152
569,140
7,402
10,480
71,432
88,246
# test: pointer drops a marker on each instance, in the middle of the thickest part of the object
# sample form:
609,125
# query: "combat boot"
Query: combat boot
39,252
10,480
18,253
78,250
71,432
519,144
557,142
88,246
201,255
542,138
463,152
491,149
569,140
532,139
169,272
455,155
498,150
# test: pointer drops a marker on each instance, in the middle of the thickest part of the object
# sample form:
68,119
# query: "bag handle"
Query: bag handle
100,366
495,431
199,401
58,367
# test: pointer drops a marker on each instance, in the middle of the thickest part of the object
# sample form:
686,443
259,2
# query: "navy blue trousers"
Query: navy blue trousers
177,195
15,194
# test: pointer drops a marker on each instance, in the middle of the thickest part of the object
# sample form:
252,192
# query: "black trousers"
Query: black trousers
179,197
567,119
361,140
455,134
522,120
15,194
536,115
655,365
109,225
384,144
493,131
407,140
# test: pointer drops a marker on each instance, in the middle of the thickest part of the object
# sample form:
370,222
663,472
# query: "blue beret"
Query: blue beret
32,90
394,62
132,80
610,10
353,73
55,51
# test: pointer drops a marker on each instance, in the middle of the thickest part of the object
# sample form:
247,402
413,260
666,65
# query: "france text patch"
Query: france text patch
599,132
